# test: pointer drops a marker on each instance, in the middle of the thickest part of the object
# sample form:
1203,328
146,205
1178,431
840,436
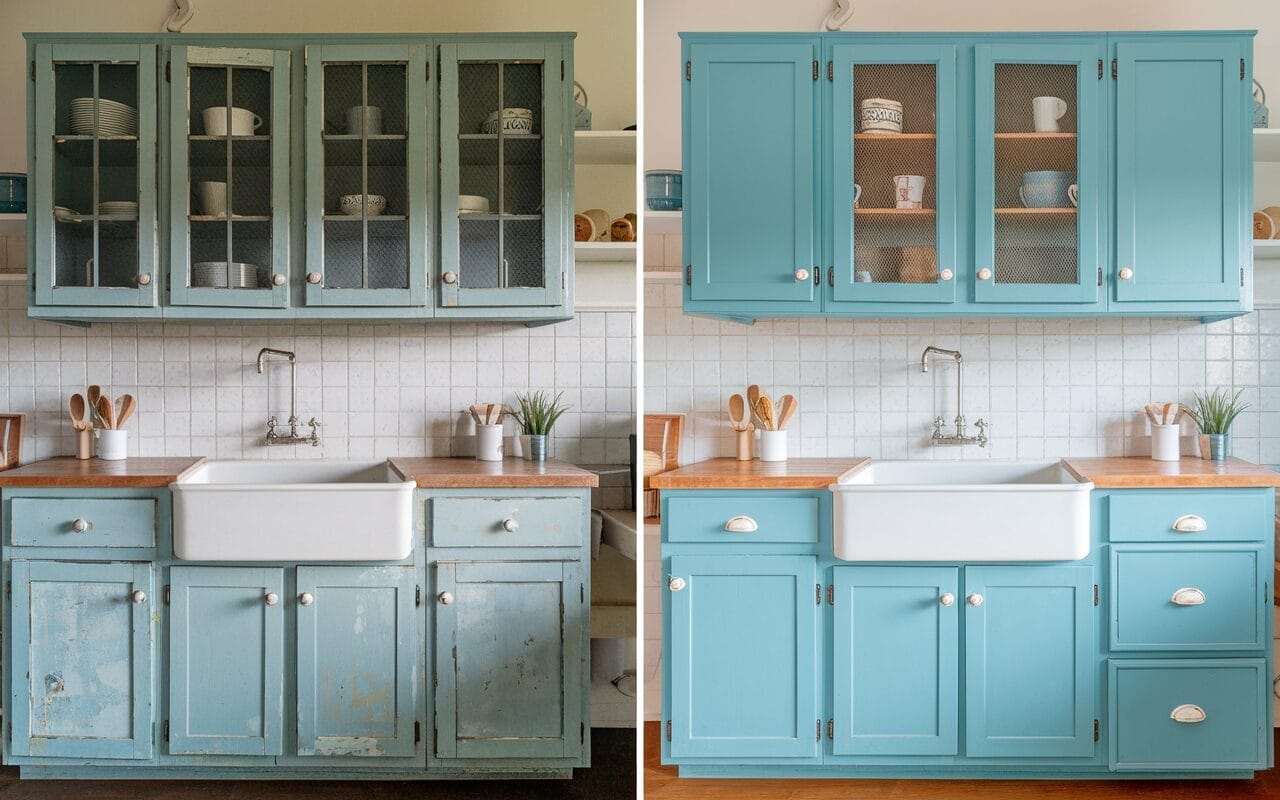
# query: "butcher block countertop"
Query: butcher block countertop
730,473
1145,473
94,473
510,473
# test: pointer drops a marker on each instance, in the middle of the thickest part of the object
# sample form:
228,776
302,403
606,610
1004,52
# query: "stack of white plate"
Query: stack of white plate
221,275
122,207
63,211
114,119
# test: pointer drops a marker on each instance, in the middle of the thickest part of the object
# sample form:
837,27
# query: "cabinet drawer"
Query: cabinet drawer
1226,695
506,521
742,518
1201,515
1177,598
56,522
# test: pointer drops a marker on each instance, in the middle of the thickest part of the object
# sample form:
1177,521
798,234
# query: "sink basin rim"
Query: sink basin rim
865,479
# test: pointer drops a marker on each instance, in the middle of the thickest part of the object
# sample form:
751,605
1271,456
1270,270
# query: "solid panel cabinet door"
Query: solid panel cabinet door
1182,160
509,660
743,649
226,660
750,214
82,653
1029,668
906,704
229,181
93,191
357,661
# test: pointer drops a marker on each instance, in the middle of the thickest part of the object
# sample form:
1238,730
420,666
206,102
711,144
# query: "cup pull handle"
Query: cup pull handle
1188,597
741,524
1190,523
1188,713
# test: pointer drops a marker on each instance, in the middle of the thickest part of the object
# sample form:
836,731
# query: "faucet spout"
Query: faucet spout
931,350
959,437
264,352
292,437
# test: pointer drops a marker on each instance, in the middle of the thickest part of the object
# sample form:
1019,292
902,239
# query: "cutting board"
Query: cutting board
661,453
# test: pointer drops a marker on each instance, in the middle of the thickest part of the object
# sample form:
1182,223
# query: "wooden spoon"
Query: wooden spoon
475,412
106,413
789,408
737,409
95,391
77,408
753,401
128,405
764,409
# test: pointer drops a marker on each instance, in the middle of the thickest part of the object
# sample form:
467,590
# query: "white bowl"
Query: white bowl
472,204
352,204
514,120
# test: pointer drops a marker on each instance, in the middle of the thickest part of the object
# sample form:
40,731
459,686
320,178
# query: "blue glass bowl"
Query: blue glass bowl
662,190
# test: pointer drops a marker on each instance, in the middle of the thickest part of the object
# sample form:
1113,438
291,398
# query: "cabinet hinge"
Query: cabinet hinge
1099,69
831,729
417,595
562,69
831,276
428,65
1242,69
1242,276
166,730
417,731
831,71
166,594
1095,594
1099,276
818,593
582,593
1115,69
817,731
564,281
33,70
582,733
817,276
8,588
688,275
1095,730
688,76
815,69
668,730
831,595
168,71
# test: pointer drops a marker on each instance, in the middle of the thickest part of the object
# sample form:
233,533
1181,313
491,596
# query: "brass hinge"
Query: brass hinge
1115,70
1099,69
817,733
1095,730
668,730
688,76
1242,69
166,594
168,71
1095,594
818,593
815,69
417,595
688,275
166,730
817,276
831,729
831,71
417,731
831,595
1099,276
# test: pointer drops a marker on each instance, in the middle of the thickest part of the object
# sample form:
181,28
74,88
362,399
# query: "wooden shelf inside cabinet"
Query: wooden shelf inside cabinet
604,147
1036,212
1036,136
895,137
893,213
604,251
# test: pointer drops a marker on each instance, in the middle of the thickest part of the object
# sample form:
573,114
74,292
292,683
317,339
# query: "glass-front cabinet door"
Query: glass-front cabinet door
1038,173
894,171
502,185
368,173
229,198
93,194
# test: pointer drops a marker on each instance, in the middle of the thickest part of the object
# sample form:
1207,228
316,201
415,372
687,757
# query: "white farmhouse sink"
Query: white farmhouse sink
292,511
961,511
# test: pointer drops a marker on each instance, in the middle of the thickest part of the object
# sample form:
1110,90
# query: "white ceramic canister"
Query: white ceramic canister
878,115
1166,442
113,445
773,445
489,442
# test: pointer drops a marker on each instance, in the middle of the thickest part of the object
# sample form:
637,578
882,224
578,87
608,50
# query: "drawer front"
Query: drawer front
742,518
506,521
1177,598
1226,696
82,522
1195,515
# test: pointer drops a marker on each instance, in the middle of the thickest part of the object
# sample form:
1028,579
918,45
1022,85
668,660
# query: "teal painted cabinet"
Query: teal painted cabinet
81,668
742,645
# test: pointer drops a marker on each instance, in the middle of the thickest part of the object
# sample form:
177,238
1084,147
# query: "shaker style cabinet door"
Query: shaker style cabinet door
369,173
82,643
743,648
505,186
93,191
751,160
226,660
894,172
1039,170
1181,163
229,177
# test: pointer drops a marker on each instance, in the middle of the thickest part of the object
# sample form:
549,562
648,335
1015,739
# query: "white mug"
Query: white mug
370,116
113,445
908,191
1047,111
1073,194
213,198
243,121
489,442
857,192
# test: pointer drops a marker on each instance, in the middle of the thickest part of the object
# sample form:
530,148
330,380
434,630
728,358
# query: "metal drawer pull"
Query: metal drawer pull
510,525
81,525
306,598
947,599
675,584
272,598
1188,712
974,600
139,597
1188,597
1190,523
741,524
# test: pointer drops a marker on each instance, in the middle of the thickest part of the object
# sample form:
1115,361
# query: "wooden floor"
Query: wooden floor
661,783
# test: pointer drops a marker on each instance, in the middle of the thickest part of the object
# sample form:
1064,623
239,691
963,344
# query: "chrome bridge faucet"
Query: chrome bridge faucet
958,438
274,438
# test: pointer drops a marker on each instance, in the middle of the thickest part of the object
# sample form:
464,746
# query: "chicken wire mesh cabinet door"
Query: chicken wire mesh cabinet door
1038,155
92,199
82,641
894,172
229,177
504,156
369,174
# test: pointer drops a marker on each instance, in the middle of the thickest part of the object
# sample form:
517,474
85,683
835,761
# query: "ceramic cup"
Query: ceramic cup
1046,188
878,115
489,442
857,192
1165,442
213,198
368,118
773,445
243,121
113,445
1046,111
908,191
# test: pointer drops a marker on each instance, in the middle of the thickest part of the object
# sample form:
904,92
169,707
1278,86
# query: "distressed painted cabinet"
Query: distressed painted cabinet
970,174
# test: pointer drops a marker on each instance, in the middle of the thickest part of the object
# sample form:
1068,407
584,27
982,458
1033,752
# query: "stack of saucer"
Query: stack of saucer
118,208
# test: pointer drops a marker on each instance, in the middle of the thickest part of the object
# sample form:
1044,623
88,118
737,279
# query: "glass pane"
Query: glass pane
478,266
894,166
1035,174
522,252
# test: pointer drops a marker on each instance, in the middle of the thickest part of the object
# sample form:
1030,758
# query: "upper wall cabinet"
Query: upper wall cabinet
1013,174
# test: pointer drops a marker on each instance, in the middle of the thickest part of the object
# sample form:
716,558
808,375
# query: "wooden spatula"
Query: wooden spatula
105,412
753,401
128,405
788,410
737,410
764,410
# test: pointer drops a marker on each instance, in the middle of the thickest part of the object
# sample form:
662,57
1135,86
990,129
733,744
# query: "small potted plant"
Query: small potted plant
537,415
1213,413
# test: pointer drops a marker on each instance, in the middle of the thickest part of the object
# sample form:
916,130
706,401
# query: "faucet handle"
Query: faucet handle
981,425
937,427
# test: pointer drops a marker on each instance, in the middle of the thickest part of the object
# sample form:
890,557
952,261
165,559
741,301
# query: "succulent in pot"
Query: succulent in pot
537,414
1214,412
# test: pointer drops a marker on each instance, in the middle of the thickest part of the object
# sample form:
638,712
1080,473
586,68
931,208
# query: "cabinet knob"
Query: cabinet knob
449,277
1125,274
306,598
1190,523
1188,597
139,597
81,525
741,524
984,274
144,279
947,599
313,277
510,525
445,598
272,598
675,584
974,599
802,274
277,280
946,275
1187,712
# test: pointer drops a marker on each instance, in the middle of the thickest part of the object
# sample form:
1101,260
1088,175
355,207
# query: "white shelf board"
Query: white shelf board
1266,144
604,147
605,251
662,221
1267,249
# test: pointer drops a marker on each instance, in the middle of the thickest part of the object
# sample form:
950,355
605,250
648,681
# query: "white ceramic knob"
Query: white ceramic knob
81,525
946,275
272,598
984,274
277,280
974,599
306,598
144,278
139,597
445,598
1126,274
947,599
675,584
449,277
802,274
510,525
313,277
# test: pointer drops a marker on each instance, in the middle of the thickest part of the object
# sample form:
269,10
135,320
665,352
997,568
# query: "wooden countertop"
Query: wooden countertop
510,473
730,473
1145,473
94,473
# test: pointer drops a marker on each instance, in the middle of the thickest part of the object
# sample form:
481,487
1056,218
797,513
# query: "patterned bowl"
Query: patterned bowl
351,204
